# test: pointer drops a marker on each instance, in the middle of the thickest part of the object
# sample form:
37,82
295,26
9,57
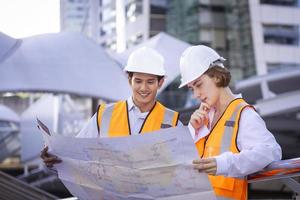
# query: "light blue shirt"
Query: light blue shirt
136,117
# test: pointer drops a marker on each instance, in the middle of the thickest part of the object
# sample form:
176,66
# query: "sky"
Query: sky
24,18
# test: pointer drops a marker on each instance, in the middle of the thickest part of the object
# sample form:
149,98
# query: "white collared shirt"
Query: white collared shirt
257,144
136,120
136,117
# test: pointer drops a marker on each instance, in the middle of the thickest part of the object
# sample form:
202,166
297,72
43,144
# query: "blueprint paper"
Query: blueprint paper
150,166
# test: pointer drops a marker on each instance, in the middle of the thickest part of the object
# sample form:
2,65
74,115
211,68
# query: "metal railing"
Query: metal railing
283,170
12,188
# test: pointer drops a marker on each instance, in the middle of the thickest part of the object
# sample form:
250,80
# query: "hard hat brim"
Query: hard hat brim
141,71
187,82
191,80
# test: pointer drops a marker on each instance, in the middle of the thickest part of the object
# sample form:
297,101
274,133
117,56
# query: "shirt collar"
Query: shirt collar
133,107
130,104
238,96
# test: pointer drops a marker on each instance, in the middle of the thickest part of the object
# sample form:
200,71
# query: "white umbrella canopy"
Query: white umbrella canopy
7,114
9,132
60,63
168,46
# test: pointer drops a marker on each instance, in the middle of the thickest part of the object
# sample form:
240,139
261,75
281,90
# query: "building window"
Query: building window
108,15
158,10
281,66
108,29
77,16
79,8
102,32
212,8
110,45
133,10
106,2
135,40
157,24
280,2
281,34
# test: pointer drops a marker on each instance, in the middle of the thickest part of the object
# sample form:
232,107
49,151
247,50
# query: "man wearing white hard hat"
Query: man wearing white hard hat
231,138
139,114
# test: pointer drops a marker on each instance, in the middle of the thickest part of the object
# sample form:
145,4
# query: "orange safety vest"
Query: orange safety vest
223,138
113,120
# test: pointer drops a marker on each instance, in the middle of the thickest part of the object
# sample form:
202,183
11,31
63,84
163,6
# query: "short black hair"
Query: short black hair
130,74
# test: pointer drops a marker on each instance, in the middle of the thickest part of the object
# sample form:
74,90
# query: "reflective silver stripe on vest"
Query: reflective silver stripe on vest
168,118
106,117
228,131
223,198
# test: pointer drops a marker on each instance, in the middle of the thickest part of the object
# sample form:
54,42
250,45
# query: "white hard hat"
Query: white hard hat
195,60
146,60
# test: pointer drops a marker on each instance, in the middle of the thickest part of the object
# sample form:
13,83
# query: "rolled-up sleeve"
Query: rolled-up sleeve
257,146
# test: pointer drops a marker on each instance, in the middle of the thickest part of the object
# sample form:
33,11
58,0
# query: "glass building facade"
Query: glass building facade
239,43
222,25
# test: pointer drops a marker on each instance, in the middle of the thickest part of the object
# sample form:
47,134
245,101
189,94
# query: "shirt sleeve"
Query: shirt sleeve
90,130
257,145
179,123
198,134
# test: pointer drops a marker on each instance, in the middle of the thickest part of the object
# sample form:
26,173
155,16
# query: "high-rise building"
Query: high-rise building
257,36
79,16
198,22
276,34
239,43
115,24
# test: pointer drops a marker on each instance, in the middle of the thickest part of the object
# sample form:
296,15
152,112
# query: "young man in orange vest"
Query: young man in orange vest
139,114
231,138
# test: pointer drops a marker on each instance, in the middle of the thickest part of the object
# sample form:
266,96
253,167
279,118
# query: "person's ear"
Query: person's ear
217,81
161,82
